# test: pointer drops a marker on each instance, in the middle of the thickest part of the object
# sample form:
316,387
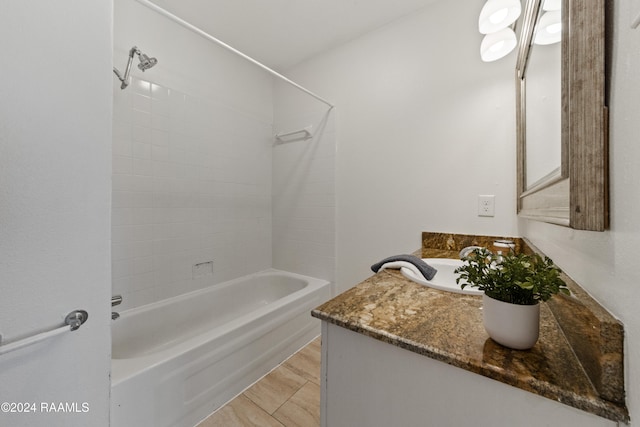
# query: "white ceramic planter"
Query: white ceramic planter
512,325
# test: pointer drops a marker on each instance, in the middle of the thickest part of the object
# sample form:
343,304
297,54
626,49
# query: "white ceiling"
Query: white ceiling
282,33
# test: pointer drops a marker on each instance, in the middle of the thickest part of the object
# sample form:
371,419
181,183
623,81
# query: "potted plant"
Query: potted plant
513,287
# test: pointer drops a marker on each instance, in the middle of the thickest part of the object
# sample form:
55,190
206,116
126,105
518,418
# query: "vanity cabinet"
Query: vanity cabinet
397,353
368,382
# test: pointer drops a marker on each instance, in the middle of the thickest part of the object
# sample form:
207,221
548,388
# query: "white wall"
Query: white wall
55,164
606,263
192,162
423,128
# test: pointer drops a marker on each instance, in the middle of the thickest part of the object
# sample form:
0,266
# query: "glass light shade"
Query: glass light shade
497,45
498,14
552,5
549,28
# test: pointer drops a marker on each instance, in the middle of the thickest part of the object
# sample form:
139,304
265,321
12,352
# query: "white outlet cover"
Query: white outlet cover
486,205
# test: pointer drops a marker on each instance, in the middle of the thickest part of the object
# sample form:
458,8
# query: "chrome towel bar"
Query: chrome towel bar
73,321
304,133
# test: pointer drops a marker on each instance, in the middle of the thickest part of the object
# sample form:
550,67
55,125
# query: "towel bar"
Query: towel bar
306,131
73,321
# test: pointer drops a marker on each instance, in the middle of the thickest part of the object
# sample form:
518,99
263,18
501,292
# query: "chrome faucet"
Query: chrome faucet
499,247
115,300
466,251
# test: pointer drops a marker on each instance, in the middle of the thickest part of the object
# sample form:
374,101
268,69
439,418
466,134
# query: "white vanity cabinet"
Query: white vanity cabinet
370,383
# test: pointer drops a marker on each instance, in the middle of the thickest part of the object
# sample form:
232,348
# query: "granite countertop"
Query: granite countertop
448,327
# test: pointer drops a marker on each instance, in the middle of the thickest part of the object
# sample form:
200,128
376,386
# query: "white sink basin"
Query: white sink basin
445,278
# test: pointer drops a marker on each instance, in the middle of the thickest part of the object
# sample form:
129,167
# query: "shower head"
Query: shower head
145,61
145,64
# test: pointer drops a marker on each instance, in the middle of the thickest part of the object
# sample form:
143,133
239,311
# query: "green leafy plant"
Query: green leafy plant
517,279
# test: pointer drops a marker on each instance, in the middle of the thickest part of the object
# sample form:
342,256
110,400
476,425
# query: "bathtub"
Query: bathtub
176,361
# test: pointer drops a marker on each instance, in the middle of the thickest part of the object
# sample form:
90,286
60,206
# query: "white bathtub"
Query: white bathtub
178,360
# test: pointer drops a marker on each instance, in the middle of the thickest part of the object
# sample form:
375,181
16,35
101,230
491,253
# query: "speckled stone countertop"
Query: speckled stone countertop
448,327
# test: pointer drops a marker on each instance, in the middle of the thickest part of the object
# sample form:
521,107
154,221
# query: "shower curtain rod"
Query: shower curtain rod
209,37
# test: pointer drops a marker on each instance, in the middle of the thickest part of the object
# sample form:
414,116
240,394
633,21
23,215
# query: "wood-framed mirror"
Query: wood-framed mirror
572,190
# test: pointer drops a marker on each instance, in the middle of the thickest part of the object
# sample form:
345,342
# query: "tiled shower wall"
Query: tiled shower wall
191,185
193,154
304,198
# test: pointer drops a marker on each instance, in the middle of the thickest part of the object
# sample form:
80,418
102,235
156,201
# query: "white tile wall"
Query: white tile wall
304,197
191,183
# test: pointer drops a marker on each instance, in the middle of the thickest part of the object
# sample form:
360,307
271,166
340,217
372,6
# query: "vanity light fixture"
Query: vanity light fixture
549,28
498,14
497,45
496,19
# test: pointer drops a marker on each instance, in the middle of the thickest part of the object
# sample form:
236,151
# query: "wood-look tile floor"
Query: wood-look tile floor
288,396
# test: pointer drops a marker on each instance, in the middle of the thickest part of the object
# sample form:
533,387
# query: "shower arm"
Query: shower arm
125,78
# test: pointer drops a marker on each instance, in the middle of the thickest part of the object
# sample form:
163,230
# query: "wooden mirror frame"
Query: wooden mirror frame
578,196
